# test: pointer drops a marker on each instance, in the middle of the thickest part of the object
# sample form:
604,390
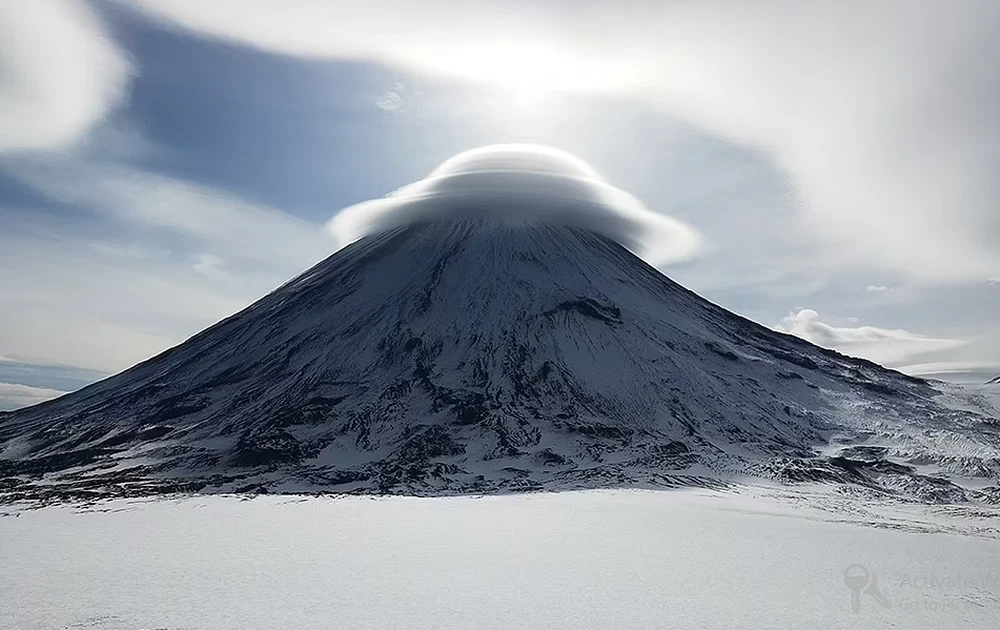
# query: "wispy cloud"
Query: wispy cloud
890,347
393,100
230,227
877,288
158,273
60,73
210,265
882,113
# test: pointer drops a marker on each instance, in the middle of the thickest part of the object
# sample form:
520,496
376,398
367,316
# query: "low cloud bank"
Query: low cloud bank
14,396
889,347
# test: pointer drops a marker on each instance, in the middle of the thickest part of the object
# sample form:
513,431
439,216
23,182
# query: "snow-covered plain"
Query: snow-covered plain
760,558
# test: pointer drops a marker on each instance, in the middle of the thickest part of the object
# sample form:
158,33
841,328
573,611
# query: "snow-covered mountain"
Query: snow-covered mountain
474,356
480,355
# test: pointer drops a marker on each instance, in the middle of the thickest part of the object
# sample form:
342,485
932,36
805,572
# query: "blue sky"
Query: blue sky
163,163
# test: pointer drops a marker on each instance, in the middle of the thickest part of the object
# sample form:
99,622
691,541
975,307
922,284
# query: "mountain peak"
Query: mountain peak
456,356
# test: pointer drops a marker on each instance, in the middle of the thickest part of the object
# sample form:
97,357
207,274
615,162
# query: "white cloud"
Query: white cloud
389,101
524,183
210,265
229,226
173,257
393,100
882,113
60,74
877,288
482,39
889,347
15,396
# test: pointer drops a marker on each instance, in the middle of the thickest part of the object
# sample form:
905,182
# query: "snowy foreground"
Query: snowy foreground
761,558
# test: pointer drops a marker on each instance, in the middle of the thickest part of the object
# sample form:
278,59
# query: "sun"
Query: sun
531,71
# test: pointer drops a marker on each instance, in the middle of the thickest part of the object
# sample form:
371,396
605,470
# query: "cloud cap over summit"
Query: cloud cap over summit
524,183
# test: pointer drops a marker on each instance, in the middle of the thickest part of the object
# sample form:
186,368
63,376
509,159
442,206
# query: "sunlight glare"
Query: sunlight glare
530,71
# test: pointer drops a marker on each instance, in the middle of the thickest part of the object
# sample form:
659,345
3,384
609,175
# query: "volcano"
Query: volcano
480,350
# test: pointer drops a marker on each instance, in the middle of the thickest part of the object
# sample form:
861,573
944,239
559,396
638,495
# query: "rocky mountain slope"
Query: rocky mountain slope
477,356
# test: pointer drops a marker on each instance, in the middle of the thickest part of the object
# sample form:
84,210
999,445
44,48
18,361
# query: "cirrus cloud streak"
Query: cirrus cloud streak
882,113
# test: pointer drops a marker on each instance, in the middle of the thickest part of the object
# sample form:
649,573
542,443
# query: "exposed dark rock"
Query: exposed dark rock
607,313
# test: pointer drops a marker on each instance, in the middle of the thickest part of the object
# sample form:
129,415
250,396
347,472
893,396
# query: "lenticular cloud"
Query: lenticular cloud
518,184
